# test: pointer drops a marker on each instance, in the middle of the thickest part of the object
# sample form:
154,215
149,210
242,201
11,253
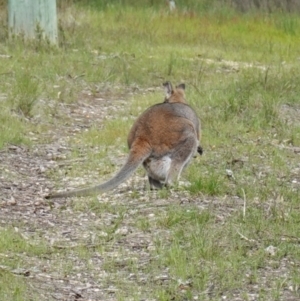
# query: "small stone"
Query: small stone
123,231
271,250
42,169
12,201
102,234
229,173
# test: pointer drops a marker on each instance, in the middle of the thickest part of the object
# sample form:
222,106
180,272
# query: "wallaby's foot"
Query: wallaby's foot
200,150
155,184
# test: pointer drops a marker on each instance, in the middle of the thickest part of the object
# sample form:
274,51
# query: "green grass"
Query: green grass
240,72
12,129
11,287
15,254
200,247
11,241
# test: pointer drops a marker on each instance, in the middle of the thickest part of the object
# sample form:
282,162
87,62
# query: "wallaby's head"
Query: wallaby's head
174,95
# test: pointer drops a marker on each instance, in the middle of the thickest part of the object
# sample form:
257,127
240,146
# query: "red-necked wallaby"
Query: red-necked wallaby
163,139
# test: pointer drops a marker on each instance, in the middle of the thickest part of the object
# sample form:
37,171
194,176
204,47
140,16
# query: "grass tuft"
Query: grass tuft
25,94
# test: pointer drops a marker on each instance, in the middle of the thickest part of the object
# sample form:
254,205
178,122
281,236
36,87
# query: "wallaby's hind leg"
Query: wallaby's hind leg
181,158
157,170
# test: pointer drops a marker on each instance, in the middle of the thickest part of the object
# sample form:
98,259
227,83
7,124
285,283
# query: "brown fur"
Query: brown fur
163,139
174,95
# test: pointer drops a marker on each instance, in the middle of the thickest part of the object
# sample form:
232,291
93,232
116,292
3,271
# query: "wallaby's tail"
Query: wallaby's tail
135,159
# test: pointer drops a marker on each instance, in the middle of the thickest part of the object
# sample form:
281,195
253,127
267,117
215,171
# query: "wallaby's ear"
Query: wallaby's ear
168,89
181,86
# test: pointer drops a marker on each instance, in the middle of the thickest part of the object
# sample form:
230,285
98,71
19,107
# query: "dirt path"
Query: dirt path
23,185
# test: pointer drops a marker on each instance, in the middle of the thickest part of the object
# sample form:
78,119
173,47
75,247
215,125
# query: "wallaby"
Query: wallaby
163,139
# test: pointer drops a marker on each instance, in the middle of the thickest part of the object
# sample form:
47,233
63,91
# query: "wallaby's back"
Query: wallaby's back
162,125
